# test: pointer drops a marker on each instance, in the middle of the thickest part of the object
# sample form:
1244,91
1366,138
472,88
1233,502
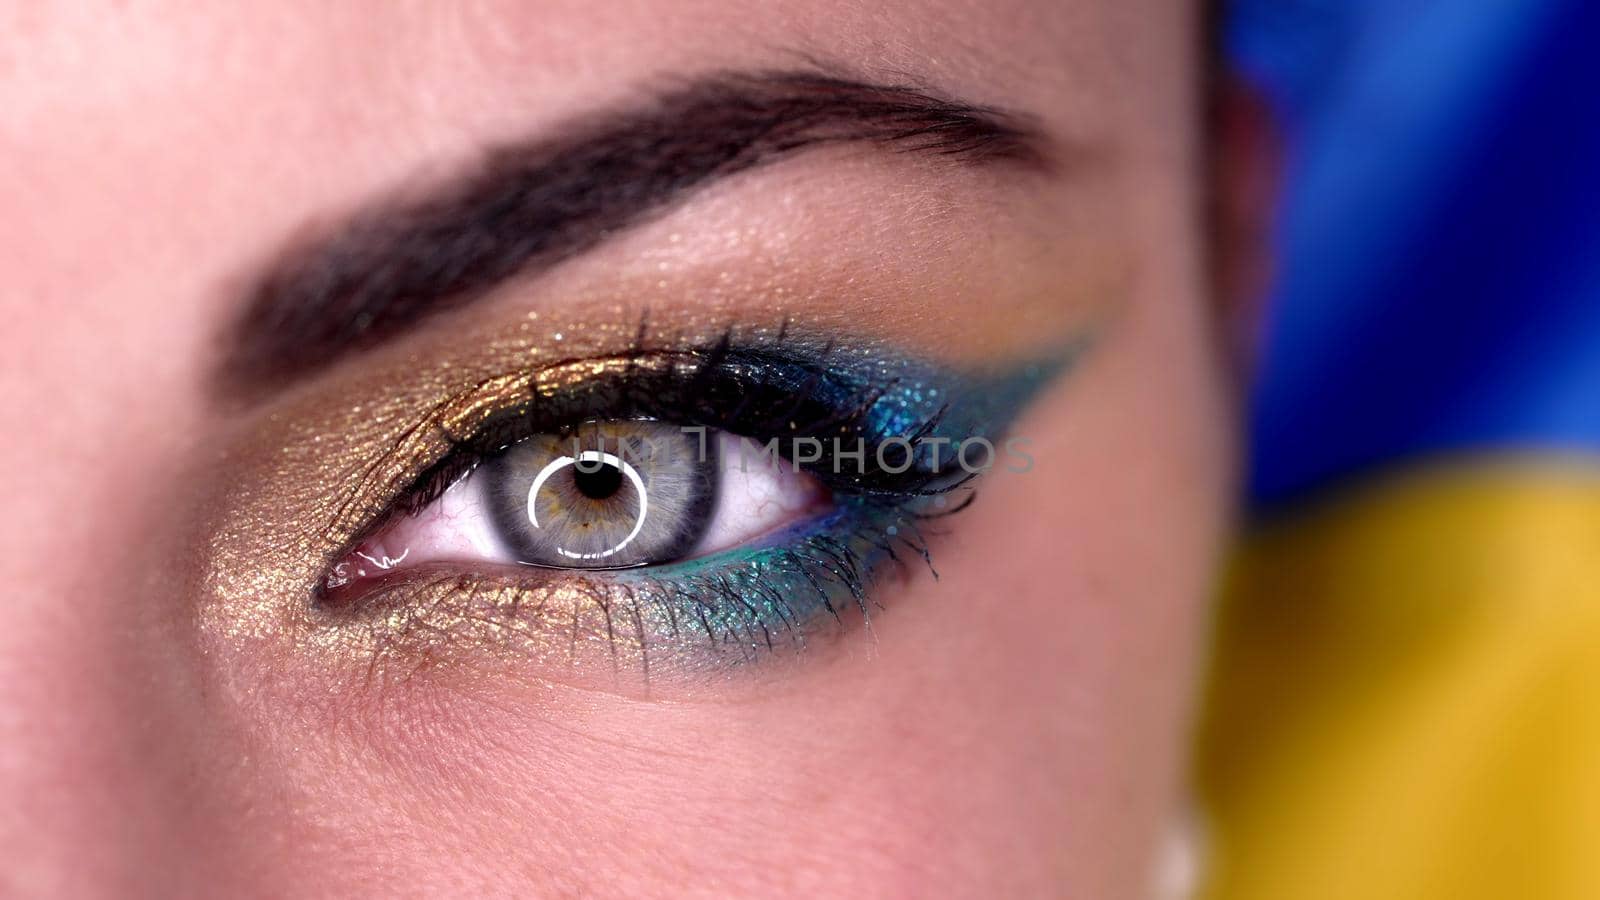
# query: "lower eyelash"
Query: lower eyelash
762,597
722,609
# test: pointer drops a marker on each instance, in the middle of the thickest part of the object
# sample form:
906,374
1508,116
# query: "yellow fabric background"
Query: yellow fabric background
1405,694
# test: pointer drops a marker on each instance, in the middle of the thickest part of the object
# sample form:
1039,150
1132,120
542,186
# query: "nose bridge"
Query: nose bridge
99,724
110,779
88,740
69,732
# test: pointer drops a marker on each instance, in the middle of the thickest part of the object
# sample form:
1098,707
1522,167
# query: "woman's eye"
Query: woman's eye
566,508
603,495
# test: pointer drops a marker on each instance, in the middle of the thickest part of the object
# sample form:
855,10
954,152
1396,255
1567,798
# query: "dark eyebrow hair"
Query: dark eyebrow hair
530,205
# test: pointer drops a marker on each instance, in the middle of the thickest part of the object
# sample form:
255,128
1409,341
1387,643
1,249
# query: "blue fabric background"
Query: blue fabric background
1440,236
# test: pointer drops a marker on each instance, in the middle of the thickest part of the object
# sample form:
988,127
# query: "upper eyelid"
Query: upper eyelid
453,433
613,370
453,421
389,475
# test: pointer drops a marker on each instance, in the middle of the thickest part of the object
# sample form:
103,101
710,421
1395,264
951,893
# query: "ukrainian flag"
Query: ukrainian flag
1405,690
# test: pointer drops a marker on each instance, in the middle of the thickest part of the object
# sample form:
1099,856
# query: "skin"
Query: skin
1014,728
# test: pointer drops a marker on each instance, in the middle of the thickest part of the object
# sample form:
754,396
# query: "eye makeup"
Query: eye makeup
896,441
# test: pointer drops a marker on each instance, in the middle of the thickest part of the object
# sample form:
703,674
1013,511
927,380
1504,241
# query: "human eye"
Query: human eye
679,507
601,494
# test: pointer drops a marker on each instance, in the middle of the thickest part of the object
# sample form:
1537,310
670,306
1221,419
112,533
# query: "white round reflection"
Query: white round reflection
590,456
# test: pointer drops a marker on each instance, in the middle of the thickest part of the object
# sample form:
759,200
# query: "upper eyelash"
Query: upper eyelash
670,389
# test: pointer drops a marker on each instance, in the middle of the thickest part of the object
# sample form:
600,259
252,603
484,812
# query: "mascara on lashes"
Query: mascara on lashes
738,603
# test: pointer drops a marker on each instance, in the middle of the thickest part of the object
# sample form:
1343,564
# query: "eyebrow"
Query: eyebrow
533,204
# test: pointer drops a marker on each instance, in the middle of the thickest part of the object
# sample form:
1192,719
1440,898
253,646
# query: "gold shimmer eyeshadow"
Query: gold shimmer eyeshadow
293,488
297,483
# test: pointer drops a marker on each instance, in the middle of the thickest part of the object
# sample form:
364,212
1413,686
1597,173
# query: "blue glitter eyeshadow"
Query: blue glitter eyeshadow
816,573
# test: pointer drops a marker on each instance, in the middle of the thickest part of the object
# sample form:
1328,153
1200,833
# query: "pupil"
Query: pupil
599,483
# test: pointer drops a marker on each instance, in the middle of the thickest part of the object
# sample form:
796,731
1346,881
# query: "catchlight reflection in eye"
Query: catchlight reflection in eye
598,476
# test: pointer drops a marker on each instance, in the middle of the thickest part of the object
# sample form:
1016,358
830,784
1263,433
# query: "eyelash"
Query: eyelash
778,390
655,385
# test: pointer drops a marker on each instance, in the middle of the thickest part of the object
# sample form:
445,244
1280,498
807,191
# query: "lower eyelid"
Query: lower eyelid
723,609
720,606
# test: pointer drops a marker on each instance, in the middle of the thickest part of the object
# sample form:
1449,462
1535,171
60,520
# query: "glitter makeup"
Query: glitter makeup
895,441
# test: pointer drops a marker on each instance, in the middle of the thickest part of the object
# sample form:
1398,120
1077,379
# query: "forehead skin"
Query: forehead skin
152,152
